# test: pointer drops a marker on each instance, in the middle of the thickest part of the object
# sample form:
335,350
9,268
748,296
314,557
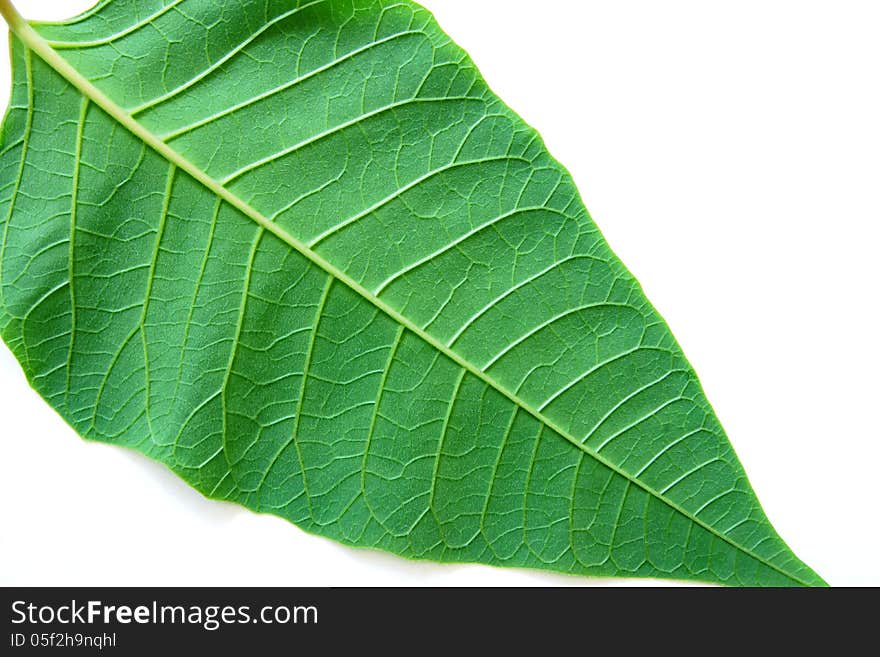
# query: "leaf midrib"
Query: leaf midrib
48,54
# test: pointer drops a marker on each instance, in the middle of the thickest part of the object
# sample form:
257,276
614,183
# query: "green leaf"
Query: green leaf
302,255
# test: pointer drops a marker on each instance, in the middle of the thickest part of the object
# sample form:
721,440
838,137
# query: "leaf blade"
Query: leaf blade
650,361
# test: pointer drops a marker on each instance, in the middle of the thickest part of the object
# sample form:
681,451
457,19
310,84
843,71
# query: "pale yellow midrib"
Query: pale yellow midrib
48,54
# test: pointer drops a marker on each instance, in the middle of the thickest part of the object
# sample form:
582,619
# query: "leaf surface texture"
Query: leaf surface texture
300,253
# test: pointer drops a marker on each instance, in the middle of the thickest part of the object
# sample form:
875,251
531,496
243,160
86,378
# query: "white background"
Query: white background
730,151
